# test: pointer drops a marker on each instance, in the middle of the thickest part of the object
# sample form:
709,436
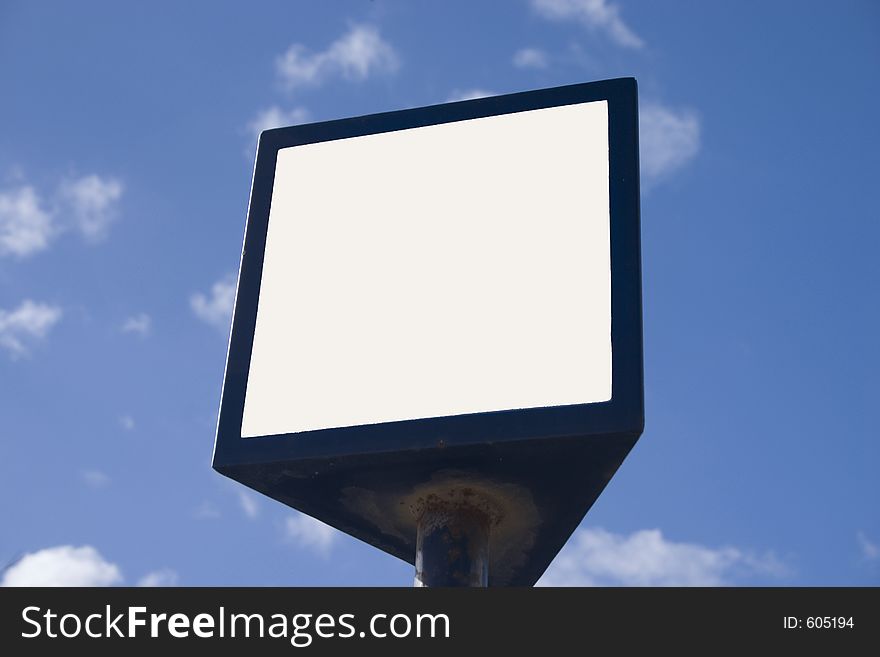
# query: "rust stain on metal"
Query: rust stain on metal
511,513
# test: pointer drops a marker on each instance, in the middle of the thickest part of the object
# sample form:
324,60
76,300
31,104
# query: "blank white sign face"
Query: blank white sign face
436,271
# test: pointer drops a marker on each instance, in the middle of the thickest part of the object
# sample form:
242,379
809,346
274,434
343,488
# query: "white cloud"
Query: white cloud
354,56
89,204
870,550
25,226
248,504
215,308
275,117
468,94
668,140
308,533
595,557
92,202
595,14
530,58
127,422
29,322
94,478
163,577
140,324
64,565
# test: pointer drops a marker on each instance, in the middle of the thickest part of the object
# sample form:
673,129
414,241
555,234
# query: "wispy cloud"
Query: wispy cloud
140,324
30,322
94,478
597,15
276,117
595,557
29,222
530,58
127,422
92,202
248,504
64,565
668,140
215,307
468,94
162,577
356,55
26,226
870,550
310,534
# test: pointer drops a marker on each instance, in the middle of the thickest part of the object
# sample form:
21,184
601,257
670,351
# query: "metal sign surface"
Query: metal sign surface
441,300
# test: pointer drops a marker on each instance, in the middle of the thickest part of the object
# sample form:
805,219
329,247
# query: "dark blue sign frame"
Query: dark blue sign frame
576,446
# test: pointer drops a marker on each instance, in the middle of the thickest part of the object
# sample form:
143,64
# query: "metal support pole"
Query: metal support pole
452,546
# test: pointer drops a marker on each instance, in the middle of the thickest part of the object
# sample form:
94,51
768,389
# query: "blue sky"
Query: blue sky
125,162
